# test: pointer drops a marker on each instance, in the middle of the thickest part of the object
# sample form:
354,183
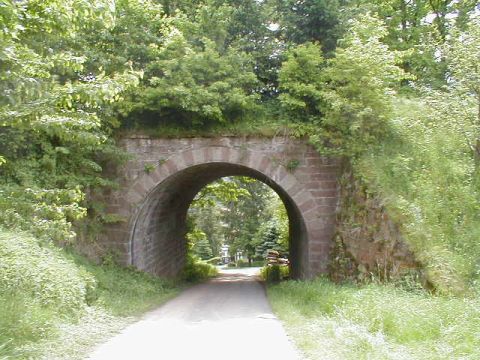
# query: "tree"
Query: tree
232,210
462,54
53,117
347,102
301,84
207,210
420,26
189,87
243,219
207,219
199,244
309,21
192,77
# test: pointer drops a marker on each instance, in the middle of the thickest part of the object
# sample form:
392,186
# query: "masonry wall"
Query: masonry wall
367,243
163,176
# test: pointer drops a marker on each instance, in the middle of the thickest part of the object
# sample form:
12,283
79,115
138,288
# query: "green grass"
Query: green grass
428,179
124,291
57,305
329,321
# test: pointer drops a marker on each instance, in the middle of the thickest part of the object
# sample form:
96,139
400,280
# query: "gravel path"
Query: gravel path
226,318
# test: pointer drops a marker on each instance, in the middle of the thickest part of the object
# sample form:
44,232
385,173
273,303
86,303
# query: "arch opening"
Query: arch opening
158,236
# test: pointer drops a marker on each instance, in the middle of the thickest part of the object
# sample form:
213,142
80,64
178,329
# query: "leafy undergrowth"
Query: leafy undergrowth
197,270
329,321
57,305
124,291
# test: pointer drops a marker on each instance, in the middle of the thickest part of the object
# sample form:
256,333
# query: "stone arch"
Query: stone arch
160,199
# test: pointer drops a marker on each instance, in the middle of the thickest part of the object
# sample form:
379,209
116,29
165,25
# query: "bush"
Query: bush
38,287
42,273
258,263
274,273
124,291
197,270
22,320
429,179
214,261
242,263
43,289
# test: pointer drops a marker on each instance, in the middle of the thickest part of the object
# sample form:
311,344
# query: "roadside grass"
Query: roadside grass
428,179
125,291
57,305
329,321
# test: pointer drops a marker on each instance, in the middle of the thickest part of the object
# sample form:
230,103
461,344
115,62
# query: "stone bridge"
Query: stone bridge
164,175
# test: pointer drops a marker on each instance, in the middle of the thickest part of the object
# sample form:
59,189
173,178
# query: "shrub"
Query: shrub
242,263
214,261
258,263
38,287
22,320
42,273
124,291
274,273
197,270
428,177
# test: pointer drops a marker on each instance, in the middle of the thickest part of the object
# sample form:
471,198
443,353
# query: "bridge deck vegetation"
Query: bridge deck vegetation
390,86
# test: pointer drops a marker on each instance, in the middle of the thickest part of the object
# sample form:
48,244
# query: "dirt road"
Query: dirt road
226,318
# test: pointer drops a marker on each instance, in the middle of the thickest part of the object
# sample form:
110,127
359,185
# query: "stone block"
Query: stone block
302,196
226,153
306,206
171,167
217,154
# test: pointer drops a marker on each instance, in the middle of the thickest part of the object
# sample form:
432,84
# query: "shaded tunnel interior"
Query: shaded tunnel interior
158,237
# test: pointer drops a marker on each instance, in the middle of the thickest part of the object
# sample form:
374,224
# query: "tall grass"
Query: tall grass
427,175
55,305
329,321
124,291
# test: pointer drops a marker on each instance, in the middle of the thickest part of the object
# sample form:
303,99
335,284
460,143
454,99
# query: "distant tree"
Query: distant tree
200,245
420,26
461,100
243,219
232,210
268,240
309,21
344,103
